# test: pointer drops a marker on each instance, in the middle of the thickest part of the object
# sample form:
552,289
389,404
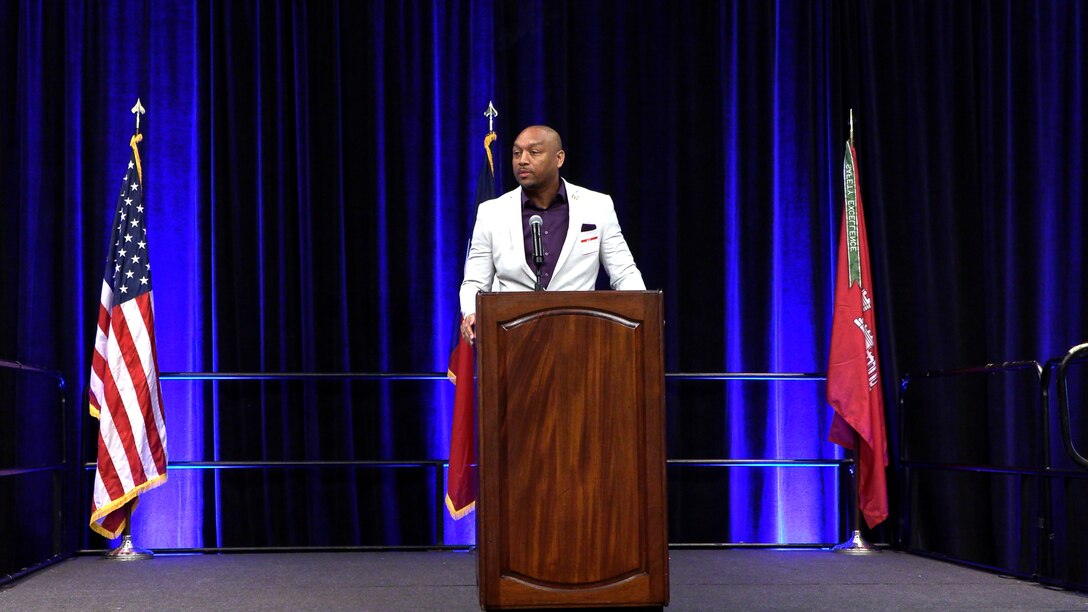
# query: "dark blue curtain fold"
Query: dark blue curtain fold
311,167
341,222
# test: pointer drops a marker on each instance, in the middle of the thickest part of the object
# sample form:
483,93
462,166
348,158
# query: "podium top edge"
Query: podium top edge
591,292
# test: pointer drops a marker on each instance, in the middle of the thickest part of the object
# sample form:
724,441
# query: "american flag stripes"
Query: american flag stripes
124,385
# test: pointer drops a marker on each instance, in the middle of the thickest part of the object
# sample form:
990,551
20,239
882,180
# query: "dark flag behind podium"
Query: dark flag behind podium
461,482
124,383
853,369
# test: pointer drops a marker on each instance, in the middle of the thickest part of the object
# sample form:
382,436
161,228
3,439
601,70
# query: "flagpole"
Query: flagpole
138,110
134,180
855,544
128,551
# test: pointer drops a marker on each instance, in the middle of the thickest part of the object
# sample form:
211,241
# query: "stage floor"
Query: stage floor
700,580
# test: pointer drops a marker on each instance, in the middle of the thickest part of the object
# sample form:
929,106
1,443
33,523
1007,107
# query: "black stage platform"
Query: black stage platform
737,579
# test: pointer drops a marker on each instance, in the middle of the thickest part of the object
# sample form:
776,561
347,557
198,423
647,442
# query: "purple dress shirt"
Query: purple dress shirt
553,231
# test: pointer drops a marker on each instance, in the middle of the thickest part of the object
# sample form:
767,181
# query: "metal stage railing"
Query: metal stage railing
1077,353
1041,470
1060,365
15,564
438,465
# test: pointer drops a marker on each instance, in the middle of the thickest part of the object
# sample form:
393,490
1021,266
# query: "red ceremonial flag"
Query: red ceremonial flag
124,385
853,368
461,481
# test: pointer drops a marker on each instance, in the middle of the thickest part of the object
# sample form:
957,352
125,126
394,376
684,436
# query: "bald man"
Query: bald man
579,233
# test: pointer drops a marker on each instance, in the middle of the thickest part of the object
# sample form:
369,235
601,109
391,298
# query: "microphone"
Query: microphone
538,251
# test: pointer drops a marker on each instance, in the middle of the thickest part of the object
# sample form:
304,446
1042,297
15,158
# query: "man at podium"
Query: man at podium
545,234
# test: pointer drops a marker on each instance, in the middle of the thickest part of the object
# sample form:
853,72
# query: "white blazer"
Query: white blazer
496,255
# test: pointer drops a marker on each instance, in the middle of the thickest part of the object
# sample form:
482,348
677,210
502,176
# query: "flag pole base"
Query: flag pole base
856,545
128,551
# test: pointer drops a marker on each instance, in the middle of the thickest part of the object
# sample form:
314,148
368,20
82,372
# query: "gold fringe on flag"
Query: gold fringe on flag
490,138
136,150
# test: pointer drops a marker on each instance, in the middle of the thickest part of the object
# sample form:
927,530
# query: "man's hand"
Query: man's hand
468,329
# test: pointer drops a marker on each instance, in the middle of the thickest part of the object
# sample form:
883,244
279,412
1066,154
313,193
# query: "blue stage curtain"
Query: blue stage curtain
312,165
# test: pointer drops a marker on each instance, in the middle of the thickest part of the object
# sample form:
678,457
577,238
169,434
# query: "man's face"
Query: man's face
537,158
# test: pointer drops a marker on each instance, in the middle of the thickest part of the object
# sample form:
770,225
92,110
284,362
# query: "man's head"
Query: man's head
538,156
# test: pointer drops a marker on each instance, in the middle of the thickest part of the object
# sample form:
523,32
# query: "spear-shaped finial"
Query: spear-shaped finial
851,126
138,110
491,113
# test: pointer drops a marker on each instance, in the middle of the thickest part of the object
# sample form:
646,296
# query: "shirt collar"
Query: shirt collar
560,196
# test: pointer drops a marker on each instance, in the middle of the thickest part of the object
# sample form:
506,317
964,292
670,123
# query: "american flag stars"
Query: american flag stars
131,272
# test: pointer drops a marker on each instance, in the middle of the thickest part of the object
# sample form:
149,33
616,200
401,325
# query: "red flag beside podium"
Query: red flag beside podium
461,483
461,480
853,369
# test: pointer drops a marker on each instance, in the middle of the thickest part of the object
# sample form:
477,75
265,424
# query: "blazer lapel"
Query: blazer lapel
517,236
574,225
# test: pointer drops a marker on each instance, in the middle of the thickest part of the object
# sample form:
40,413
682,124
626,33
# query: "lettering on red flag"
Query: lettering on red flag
853,370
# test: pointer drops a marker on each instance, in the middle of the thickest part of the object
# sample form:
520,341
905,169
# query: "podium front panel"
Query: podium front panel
572,495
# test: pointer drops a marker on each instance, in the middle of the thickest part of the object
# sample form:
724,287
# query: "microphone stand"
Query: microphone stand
538,249
539,261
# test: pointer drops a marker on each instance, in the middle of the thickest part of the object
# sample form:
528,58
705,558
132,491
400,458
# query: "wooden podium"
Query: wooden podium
572,507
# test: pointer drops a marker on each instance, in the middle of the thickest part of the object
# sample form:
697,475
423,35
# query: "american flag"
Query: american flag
124,387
